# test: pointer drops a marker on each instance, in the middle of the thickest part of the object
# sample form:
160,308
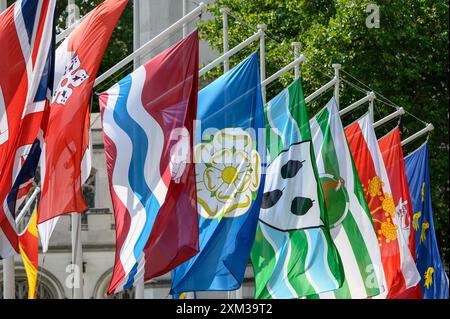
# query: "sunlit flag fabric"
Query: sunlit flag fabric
148,120
26,68
349,217
29,245
293,254
398,264
67,134
434,280
391,150
228,180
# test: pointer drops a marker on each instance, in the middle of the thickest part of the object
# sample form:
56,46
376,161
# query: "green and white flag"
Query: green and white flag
293,254
348,214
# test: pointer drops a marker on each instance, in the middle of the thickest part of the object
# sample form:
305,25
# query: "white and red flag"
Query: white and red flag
26,78
391,150
398,263
67,135
148,120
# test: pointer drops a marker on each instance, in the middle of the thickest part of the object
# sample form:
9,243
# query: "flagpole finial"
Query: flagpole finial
262,26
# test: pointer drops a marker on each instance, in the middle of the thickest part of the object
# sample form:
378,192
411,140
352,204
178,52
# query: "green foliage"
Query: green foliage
406,60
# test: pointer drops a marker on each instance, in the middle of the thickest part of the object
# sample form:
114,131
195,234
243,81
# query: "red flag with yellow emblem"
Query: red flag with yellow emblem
391,150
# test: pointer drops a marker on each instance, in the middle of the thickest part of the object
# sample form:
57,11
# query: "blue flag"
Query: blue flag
228,163
434,280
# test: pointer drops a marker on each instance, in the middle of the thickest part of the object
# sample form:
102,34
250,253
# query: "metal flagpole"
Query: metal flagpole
296,46
294,64
262,59
322,90
390,117
139,289
415,136
185,11
371,111
9,289
224,11
63,34
368,98
136,32
147,47
336,67
231,52
77,259
27,205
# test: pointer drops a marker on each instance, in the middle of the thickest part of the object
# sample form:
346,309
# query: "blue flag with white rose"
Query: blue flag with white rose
434,280
228,153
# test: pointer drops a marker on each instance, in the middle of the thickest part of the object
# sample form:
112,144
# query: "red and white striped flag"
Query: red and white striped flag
391,150
398,263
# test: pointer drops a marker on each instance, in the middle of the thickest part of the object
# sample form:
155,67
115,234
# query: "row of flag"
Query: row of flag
201,181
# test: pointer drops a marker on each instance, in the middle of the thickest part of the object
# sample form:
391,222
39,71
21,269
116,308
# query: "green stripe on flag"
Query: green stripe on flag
360,251
263,260
296,265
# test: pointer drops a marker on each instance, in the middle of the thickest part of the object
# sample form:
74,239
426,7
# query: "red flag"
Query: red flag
398,264
391,150
148,120
67,136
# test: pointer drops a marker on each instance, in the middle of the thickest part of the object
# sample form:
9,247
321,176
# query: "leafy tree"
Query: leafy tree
405,59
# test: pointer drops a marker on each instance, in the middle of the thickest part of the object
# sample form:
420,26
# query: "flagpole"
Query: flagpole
296,46
139,288
262,59
185,12
322,90
415,136
390,117
231,52
368,98
294,64
336,67
147,47
136,32
226,63
77,260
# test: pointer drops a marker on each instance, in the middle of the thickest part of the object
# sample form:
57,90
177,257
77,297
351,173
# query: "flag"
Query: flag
228,180
148,133
26,69
434,280
349,217
67,134
398,264
29,245
391,150
293,254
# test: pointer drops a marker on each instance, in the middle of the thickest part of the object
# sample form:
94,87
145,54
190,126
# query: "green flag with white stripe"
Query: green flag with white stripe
349,217
293,254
